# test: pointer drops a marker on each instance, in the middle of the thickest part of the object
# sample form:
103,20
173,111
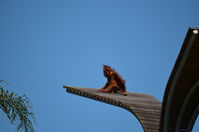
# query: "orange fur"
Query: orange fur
115,83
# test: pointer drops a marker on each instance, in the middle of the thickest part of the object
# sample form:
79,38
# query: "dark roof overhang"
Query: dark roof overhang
181,99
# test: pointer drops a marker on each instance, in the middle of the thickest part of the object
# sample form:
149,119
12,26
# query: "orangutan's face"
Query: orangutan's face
107,71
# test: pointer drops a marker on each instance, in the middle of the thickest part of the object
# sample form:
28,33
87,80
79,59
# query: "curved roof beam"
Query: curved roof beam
186,105
175,81
193,119
182,79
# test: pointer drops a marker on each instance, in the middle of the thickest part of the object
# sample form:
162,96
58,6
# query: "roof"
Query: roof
180,106
145,108
182,91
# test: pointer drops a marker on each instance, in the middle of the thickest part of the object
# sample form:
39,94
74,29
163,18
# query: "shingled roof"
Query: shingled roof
145,108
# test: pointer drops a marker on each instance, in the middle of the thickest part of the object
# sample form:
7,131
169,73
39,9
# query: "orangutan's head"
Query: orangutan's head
107,70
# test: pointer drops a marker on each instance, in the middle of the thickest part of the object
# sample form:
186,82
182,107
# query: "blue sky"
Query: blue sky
46,44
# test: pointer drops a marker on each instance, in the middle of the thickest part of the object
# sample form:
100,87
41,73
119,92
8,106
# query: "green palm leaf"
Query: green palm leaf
18,109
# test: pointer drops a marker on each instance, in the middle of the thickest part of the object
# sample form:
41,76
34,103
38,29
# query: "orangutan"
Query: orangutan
115,83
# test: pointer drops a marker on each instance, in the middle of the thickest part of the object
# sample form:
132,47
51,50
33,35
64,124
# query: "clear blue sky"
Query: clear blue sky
46,44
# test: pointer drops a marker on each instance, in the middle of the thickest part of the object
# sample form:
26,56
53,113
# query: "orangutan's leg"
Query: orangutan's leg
108,89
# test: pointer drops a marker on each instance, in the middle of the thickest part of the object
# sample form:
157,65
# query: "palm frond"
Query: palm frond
18,109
